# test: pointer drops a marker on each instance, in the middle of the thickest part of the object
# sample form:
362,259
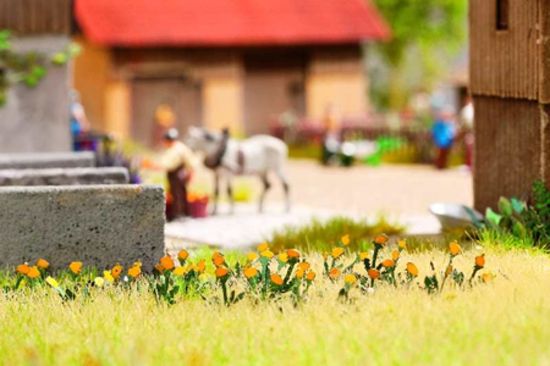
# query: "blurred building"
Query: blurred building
221,63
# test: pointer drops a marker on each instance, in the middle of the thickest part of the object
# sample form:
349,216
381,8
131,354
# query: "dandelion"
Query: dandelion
276,279
252,256
52,282
201,266
42,263
293,254
334,273
116,271
304,266
179,271
395,255
388,263
107,276
402,244
345,239
75,267
454,248
283,257
218,259
134,271
381,239
33,272
267,254
167,263
23,269
364,255
337,252
480,261
250,272
183,255
373,273
263,247
221,272
350,279
412,270
311,276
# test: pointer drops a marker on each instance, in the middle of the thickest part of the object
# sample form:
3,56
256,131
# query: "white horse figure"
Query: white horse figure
257,155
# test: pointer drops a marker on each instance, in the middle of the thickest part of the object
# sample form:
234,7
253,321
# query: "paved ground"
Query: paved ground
402,193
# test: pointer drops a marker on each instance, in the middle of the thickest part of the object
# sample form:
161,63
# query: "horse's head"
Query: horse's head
200,139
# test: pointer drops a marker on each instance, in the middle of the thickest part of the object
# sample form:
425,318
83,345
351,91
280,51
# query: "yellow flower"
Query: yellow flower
304,266
412,269
373,273
75,267
402,244
276,279
267,254
293,254
250,272
381,239
179,271
336,252
218,259
480,261
350,279
33,272
363,255
283,257
23,268
300,273
454,248
345,239
52,282
100,281
201,266
310,276
116,271
252,256
183,255
334,273
42,263
221,272
107,276
263,247
134,271
395,255
167,263
388,263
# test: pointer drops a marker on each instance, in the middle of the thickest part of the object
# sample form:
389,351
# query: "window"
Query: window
502,13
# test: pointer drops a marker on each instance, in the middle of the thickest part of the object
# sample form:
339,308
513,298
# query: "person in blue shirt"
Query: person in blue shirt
443,134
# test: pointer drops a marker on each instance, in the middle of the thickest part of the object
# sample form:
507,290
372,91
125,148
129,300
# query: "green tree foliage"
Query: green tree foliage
426,35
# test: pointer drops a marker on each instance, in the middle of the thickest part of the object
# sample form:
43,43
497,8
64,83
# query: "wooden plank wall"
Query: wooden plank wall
36,16
504,62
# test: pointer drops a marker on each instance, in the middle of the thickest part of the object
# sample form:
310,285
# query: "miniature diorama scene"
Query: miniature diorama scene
274,182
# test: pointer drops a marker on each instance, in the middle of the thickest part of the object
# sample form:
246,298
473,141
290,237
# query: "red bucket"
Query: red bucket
198,206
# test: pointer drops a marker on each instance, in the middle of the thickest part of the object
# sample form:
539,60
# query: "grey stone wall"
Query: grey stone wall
98,225
37,119
63,176
47,160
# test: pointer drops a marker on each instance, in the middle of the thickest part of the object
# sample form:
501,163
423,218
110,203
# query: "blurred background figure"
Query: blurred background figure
443,134
164,121
467,127
79,122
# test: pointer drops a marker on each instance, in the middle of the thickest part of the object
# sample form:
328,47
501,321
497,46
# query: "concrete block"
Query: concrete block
63,176
47,160
98,225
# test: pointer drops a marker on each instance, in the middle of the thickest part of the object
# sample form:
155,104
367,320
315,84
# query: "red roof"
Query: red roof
229,22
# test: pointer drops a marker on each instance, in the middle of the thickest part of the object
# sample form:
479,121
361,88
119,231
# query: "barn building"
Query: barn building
510,85
236,63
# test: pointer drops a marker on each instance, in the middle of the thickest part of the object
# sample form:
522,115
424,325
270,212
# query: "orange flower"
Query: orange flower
250,272
412,269
201,266
23,268
373,273
167,263
116,271
218,259
388,263
345,239
350,279
381,239
480,261
300,273
75,267
454,248
336,252
33,272
221,272
334,273
304,266
183,255
363,255
310,276
276,279
134,271
263,247
42,263
293,254
395,254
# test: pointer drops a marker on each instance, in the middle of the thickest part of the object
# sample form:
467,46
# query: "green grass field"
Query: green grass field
503,322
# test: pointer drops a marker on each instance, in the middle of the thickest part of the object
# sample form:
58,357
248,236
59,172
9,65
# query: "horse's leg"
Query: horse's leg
286,187
230,194
267,185
216,191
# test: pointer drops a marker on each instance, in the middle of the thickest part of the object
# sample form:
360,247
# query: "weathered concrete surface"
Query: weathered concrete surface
37,119
47,160
63,176
98,225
